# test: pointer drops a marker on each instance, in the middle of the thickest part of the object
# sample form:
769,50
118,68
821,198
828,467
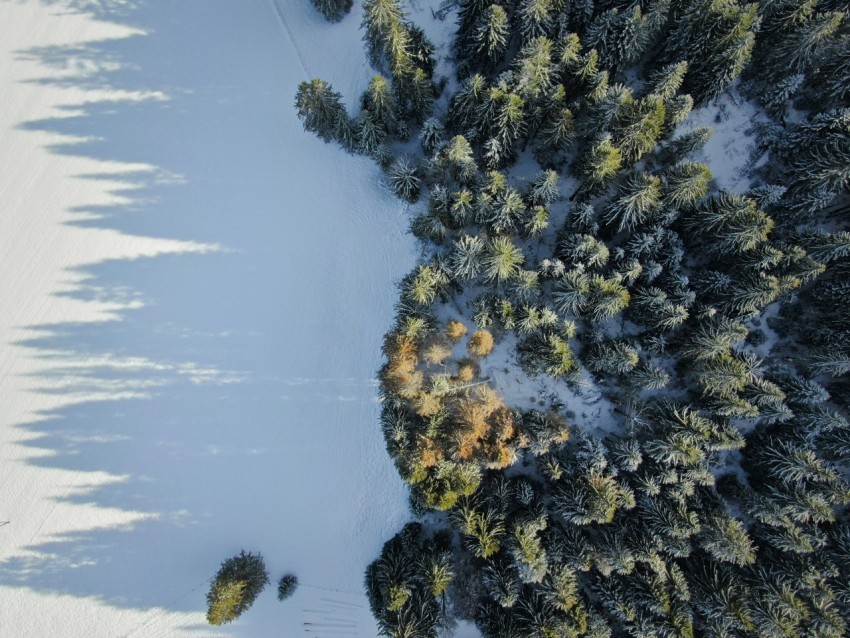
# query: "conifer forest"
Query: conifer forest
571,233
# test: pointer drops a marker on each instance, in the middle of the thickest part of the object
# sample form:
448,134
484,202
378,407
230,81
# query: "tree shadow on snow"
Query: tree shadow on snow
231,402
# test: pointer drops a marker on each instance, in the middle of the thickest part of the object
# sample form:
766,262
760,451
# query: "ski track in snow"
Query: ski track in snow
192,300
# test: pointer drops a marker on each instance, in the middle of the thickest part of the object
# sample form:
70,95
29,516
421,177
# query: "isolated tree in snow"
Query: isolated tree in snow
235,587
333,10
286,586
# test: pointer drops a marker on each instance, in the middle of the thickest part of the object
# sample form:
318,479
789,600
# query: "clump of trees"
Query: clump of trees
715,502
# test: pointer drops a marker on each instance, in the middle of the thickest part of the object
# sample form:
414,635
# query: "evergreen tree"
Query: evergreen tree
491,37
370,136
619,37
686,183
236,585
536,18
333,10
729,224
404,179
638,199
666,81
818,158
379,100
387,37
543,189
686,145
431,137
640,128
716,38
612,357
534,69
502,259
599,165
286,586
725,538
466,104
831,81
321,111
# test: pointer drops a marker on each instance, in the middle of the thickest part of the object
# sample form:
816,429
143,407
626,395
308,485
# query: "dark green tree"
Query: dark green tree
321,111
286,586
235,587
333,10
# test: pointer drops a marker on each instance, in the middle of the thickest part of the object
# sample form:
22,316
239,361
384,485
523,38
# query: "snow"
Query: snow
729,152
193,296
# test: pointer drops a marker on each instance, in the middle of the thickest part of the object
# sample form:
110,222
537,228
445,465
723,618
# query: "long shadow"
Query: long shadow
231,402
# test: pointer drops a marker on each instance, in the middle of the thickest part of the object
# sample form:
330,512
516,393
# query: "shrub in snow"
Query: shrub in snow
286,586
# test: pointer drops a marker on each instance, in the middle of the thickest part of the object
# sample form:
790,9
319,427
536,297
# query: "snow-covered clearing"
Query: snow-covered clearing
193,294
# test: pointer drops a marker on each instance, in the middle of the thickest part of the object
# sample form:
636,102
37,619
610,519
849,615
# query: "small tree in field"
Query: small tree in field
235,588
286,586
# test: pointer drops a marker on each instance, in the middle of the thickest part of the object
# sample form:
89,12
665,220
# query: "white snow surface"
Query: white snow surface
192,297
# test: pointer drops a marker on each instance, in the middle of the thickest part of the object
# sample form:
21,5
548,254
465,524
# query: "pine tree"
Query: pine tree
648,377
599,165
502,259
792,47
534,69
582,249
556,135
379,100
404,179
536,18
725,538
236,585
729,224
612,357
589,498
458,159
640,127
638,199
619,37
321,110
686,145
543,189
380,19
716,38
605,298
818,159
666,81
370,136
831,81
333,10
286,586
686,183
431,137
466,104
502,583
490,41
548,353
416,94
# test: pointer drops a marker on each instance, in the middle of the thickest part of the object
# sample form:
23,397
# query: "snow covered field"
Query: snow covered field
192,297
